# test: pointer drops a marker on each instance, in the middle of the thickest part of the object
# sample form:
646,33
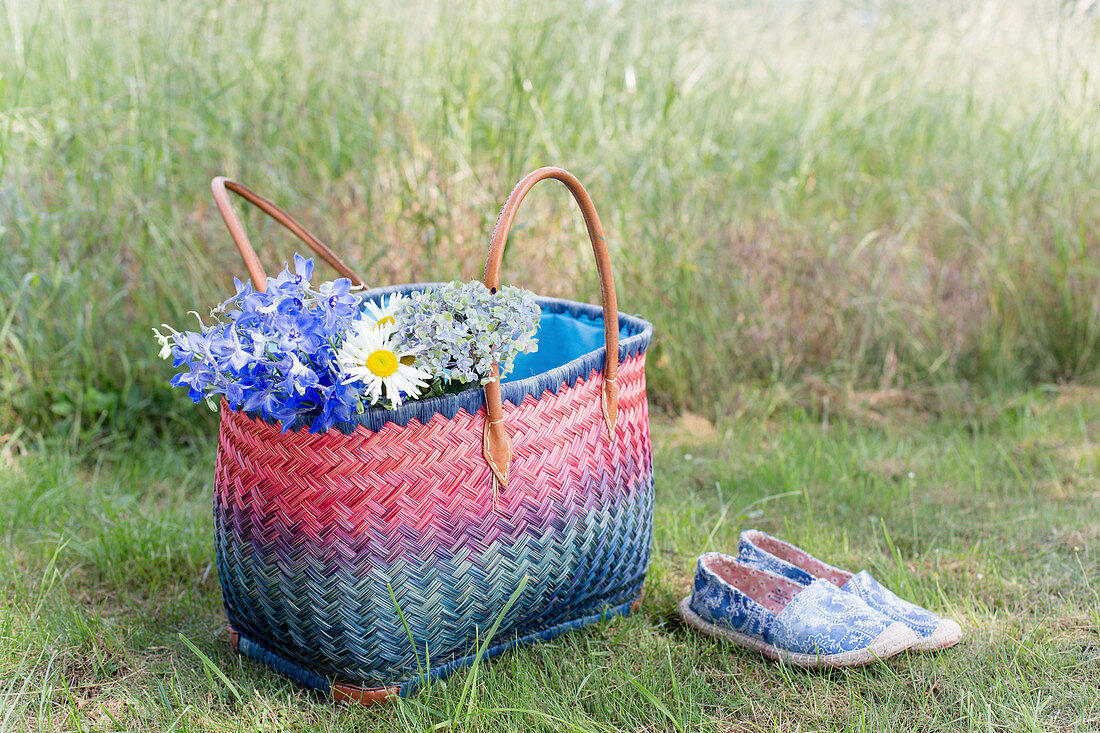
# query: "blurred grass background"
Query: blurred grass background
829,197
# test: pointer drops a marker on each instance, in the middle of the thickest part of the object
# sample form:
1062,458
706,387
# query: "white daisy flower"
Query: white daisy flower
369,355
384,312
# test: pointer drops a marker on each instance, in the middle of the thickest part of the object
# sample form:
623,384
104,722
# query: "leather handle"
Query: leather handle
221,186
496,445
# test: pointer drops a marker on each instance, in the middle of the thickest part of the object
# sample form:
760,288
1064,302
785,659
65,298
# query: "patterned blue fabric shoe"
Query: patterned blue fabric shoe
761,550
815,625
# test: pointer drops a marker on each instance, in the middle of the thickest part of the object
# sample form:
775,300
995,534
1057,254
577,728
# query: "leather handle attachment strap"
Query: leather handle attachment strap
221,186
496,444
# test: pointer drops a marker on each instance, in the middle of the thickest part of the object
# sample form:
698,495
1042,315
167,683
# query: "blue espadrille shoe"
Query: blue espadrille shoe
815,625
761,550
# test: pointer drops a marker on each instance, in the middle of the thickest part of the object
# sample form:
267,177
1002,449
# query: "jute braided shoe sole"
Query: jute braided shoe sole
895,639
947,633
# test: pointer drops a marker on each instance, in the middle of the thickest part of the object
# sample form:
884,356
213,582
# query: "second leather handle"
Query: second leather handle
496,445
220,187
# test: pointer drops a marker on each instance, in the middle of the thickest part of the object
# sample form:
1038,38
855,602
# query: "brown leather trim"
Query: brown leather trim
609,403
496,445
363,696
220,187
340,692
497,449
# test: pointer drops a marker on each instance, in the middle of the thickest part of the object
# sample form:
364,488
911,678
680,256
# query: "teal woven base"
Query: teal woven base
331,688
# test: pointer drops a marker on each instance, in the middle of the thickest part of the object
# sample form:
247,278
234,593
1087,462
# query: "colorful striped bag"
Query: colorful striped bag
373,558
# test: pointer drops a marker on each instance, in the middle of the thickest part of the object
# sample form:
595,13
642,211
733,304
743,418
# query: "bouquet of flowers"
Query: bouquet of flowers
305,355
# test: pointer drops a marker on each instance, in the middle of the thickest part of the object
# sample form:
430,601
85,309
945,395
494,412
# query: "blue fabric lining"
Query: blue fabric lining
562,338
575,348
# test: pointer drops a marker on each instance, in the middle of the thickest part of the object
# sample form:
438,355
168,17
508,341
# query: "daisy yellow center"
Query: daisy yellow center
382,363
386,319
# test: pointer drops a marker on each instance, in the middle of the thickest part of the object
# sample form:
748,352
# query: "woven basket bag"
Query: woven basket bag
432,515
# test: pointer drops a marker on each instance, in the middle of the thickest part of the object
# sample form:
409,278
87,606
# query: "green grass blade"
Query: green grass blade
211,668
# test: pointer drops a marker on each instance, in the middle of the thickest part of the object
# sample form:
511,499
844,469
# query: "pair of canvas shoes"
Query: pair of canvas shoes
781,601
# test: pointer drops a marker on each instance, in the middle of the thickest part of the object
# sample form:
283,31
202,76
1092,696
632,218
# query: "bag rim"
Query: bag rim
473,399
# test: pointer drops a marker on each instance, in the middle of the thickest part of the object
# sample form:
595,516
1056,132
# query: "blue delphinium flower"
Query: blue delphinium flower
338,402
339,308
298,377
298,280
198,379
272,353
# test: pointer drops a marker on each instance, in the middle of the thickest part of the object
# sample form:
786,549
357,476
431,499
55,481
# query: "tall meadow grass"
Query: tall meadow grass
878,194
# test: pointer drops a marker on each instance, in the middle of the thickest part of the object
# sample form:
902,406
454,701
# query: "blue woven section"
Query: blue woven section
635,335
408,687
354,632
435,673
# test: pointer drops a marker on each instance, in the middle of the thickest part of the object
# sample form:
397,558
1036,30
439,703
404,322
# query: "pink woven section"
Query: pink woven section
374,487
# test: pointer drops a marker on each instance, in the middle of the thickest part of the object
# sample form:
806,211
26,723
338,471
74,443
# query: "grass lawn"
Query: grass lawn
106,564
